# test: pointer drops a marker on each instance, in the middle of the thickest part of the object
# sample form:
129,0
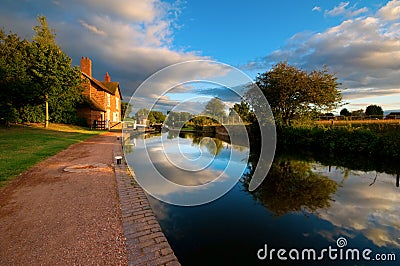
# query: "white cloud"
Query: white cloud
132,10
316,8
391,11
343,9
92,28
131,39
364,52
374,207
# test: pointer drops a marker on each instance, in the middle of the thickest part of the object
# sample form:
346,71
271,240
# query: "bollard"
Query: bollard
119,159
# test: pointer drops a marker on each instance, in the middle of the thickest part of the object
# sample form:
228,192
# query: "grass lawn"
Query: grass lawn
23,146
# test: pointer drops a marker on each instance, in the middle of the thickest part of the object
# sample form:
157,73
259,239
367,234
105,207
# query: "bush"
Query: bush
372,142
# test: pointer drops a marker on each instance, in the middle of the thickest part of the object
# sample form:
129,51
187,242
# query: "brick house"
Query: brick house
102,99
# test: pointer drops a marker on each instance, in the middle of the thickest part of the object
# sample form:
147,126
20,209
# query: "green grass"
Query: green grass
23,146
189,128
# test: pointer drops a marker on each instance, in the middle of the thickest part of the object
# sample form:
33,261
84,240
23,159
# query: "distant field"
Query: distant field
23,146
360,122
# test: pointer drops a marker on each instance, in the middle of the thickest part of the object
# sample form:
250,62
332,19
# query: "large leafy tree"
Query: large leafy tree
215,108
293,93
44,35
242,110
374,110
34,75
345,112
51,69
16,88
156,117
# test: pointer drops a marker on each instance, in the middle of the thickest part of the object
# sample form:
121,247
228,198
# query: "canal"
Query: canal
303,204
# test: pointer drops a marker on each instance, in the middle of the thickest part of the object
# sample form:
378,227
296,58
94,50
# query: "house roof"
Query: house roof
110,87
97,83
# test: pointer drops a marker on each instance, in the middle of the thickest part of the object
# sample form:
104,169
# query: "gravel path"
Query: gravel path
49,216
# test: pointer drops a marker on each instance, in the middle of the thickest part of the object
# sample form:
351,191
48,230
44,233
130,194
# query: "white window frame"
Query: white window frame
108,100
115,116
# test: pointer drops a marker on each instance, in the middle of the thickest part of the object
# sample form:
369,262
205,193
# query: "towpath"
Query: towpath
87,215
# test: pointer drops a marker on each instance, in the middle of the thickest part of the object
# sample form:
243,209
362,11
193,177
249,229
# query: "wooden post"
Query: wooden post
46,123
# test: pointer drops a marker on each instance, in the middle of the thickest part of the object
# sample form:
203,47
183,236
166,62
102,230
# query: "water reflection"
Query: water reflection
367,204
185,168
304,202
354,202
292,186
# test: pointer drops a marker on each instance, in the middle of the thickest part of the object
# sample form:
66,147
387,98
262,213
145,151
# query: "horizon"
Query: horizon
357,40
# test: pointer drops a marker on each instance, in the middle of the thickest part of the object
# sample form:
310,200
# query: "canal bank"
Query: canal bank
145,243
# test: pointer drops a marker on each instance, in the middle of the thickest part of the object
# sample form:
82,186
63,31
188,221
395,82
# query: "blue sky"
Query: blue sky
234,32
132,39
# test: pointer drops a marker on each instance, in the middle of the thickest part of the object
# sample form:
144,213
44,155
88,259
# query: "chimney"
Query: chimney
86,66
107,77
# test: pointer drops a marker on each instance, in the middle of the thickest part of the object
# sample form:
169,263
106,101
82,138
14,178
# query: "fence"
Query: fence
102,124
99,124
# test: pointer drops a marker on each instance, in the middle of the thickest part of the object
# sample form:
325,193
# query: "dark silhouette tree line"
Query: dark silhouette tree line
371,110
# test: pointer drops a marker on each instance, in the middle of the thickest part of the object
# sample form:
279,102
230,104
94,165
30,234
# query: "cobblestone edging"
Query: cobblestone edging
146,244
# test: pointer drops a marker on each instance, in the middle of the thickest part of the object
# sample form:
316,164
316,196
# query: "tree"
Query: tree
374,110
52,71
293,93
177,119
44,35
141,114
345,112
16,88
37,74
215,109
126,108
201,120
329,114
242,110
156,117
151,116
359,113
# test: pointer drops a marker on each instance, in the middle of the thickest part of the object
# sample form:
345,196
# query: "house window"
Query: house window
108,100
115,117
116,103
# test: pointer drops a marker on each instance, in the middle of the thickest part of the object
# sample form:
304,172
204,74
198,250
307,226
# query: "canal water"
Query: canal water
302,206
